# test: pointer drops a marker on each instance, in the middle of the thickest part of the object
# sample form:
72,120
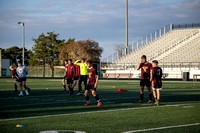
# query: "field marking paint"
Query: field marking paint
74,101
160,128
102,111
57,131
187,107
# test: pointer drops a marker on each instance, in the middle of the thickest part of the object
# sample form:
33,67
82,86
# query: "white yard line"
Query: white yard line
89,112
160,128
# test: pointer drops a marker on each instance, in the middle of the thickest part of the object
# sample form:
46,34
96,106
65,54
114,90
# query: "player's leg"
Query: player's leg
87,98
158,97
63,82
15,84
24,85
148,85
154,94
79,84
21,90
96,97
85,81
141,94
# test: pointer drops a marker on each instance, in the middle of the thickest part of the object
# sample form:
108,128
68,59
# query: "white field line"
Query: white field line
57,131
102,111
160,128
75,101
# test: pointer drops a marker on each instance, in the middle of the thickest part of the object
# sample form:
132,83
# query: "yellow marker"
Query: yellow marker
17,125
46,88
193,84
113,87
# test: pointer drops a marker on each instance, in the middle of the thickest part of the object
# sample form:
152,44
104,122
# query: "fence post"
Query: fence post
132,46
112,58
171,27
160,32
164,30
146,39
155,35
137,45
151,37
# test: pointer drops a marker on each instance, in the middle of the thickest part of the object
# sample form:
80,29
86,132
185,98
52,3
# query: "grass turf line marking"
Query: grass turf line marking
102,111
57,131
160,128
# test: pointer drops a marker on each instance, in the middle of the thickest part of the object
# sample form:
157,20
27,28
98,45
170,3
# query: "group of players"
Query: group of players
81,71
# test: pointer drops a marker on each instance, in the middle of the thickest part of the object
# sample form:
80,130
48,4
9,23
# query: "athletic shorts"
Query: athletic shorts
21,79
76,78
69,81
145,82
17,80
90,87
157,87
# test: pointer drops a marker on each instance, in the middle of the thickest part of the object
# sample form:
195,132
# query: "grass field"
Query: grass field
55,111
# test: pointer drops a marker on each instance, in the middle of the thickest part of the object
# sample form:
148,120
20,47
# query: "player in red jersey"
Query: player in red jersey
77,77
65,77
14,75
145,78
70,76
92,84
156,78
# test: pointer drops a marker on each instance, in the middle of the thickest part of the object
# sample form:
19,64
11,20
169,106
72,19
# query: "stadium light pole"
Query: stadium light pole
126,27
23,38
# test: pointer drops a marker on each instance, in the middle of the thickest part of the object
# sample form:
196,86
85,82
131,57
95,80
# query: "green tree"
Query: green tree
45,50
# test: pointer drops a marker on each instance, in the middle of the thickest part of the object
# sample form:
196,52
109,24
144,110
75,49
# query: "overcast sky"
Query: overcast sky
100,20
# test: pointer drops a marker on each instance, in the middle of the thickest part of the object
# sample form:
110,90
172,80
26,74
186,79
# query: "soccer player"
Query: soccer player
14,74
77,77
145,67
65,77
156,75
92,84
83,74
70,76
22,72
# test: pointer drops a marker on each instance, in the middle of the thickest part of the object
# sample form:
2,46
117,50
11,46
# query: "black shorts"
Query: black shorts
76,78
69,81
145,82
90,87
65,78
21,79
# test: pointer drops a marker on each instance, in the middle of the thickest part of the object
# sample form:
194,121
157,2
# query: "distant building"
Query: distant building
4,67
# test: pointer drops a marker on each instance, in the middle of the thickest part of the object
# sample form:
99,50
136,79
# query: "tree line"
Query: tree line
50,50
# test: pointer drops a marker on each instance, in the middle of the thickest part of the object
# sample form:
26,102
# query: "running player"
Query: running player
70,76
65,77
14,75
22,72
156,75
145,78
83,74
92,85
77,77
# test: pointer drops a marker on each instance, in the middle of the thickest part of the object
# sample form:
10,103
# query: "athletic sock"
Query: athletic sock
64,87
97,98
141,96
16,87
150,97
87,98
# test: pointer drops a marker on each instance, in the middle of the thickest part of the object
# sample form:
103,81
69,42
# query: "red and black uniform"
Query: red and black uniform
157,77
145,74
92,78
70,73
77,75
14,74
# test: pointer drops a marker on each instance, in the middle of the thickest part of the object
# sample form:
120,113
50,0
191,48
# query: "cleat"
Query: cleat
99,104
149,101
140,101
78,94
21,94
87,103
156,101
26,92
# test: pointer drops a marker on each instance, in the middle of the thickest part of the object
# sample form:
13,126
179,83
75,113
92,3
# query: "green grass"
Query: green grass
54,109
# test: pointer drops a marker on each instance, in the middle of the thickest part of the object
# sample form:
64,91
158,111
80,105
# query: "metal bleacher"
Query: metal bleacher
175,49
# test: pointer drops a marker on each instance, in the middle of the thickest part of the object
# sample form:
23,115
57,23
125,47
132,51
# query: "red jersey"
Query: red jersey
14,74
66,71
145,70
70,73
77,67
157,77
92,75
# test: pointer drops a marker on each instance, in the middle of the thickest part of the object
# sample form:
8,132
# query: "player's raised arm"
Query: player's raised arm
77,62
